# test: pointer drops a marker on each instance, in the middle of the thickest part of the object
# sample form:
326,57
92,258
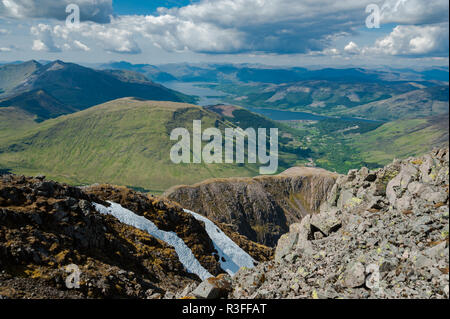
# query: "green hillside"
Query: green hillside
13,121
401,139
416,104
320,97
341,145
123,142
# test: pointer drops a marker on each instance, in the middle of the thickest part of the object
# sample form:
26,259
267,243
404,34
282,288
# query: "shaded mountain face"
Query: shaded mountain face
260,208
46,226
38,103
65,87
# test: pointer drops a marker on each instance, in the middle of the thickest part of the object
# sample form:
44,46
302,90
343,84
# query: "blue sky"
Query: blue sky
276,32
122,7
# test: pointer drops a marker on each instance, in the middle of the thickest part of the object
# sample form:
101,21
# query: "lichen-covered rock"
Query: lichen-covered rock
213,288
354,276
391,242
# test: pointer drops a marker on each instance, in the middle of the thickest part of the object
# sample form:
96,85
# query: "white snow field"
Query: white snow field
232,257
185,254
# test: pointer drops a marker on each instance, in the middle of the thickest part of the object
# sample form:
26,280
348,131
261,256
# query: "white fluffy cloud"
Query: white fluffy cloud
112,37
242,26
91,10
278,26
230,26
414,40
352,48
414,11
44,41
80,45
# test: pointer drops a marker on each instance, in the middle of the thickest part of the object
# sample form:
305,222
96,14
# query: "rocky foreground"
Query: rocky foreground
380,234
47,226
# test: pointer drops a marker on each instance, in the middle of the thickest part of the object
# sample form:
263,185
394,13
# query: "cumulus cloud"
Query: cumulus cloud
45,39
275,26
80,45
111,37
90,10
352,48
414,40
235,26
414,12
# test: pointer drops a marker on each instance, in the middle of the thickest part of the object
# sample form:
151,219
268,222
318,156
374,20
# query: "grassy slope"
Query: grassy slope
340,145
13,121
412,105
401,139
321,97
124,142
291,151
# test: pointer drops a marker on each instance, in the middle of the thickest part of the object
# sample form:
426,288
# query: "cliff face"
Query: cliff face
379,234
260,208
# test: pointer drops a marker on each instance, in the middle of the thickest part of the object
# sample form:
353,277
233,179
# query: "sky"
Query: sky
397,33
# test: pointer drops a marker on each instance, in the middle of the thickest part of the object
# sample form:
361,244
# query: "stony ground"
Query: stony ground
381,234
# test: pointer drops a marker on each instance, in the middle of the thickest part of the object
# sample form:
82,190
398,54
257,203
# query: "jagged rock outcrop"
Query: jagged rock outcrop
260,208
380,234
46,226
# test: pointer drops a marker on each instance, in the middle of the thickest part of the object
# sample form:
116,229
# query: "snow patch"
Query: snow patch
184,253
232,257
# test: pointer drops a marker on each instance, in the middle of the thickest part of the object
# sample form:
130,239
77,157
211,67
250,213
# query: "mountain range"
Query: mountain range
57,88
246,73
82,125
